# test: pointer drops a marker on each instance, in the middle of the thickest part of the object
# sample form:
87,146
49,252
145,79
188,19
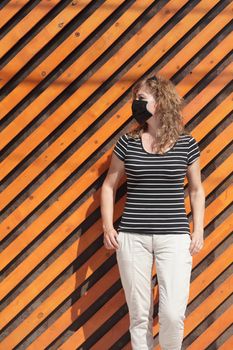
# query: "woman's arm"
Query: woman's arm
108,193
197,203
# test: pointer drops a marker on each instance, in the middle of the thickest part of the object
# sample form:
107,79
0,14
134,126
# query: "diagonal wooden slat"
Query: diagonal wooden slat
11,9
63,50
41,39
23,26
214,331
96,79
228,344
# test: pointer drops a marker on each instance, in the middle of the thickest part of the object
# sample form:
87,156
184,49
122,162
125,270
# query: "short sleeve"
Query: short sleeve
120,147
193,151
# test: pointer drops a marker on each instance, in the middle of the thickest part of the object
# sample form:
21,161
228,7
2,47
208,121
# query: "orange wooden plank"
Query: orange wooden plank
10,9
210,303
208,63
228,345
113,335
127,347
82,63
59,54
26,24
214,331
102,285
42,38
116,331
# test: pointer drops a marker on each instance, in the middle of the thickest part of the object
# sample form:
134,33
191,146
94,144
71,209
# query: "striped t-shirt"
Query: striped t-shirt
155,186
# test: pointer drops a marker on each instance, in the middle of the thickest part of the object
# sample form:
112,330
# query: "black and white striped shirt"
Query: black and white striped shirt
155,186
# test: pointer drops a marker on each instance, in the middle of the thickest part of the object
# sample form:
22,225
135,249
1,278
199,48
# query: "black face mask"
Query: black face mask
140,113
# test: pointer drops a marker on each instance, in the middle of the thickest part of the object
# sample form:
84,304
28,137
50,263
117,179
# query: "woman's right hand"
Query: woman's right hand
110,239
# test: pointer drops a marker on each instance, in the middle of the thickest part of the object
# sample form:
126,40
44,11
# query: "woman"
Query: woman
156,156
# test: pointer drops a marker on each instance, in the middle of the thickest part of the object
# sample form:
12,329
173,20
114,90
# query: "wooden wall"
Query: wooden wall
67,68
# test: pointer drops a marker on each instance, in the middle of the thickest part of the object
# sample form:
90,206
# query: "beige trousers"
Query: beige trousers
135,257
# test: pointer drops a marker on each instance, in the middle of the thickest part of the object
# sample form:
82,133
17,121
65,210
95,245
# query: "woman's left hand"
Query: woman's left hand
197,242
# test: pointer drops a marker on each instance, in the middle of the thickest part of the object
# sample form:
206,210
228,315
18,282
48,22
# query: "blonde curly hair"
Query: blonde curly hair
168,110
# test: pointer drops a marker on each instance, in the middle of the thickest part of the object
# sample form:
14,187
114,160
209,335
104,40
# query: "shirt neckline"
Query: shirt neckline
157,154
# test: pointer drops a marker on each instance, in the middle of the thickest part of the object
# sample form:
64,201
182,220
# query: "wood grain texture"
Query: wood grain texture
67,68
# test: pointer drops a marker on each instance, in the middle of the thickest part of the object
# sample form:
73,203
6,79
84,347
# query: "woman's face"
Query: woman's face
145,95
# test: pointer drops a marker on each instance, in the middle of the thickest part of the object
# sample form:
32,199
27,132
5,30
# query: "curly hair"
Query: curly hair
168,110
